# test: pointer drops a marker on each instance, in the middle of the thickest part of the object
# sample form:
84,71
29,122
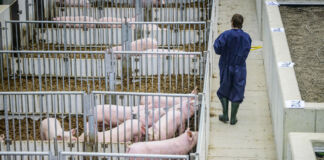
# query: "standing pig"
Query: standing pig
162,100
48,130
153,115
76,19
169,125
181,145
107,114
73,3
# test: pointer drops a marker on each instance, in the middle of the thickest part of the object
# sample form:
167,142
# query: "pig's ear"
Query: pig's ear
189,134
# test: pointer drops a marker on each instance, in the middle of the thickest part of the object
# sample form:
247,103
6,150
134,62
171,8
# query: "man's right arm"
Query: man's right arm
219,44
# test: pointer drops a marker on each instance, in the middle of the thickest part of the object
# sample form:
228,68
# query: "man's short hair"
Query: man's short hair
237,21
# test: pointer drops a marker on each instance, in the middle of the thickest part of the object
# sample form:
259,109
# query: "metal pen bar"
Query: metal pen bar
43,93
124,155
141,94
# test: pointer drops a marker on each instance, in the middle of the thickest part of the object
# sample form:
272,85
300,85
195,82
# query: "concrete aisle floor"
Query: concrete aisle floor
252,137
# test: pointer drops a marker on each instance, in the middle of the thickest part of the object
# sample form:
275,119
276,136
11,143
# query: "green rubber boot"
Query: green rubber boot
224,116
235,107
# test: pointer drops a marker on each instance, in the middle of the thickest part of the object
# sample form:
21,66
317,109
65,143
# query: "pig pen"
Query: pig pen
25,116
181,10
52,56
305,35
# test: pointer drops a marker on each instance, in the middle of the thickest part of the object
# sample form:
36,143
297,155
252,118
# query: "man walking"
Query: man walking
233,46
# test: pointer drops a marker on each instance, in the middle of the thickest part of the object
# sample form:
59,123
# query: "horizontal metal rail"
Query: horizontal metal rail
52,52
25,153
40,93
114,23
158,52
123,155
143,94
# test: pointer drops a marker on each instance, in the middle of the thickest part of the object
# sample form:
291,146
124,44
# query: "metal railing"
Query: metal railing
87,35
166,10
25,155
96,122
74,155
157,70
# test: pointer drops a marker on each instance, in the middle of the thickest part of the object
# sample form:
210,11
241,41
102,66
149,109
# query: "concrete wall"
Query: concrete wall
282,85
301,145
5,16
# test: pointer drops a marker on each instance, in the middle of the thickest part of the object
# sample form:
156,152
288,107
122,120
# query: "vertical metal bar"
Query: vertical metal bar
5,105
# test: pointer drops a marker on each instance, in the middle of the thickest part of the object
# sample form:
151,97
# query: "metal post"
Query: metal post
89,112
110,72
126,60
15,34
8,142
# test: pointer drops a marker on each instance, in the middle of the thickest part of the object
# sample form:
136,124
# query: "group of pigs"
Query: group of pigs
163,116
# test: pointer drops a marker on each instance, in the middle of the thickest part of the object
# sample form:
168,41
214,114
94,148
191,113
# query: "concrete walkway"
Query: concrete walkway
252,137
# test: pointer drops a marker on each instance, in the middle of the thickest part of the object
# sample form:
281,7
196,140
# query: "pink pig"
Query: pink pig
48,130
76,19
162,100
112,19
187,110
140,45
153,115
108,113
181,145
74,3
133,129
169,125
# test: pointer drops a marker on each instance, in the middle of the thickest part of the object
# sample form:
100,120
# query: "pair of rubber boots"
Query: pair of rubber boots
224,118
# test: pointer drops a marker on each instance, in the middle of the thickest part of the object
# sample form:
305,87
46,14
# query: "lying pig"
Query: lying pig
112,114
181,145
73,3
167,126
138,45
112,19
76,19
48,130
133,129
159,101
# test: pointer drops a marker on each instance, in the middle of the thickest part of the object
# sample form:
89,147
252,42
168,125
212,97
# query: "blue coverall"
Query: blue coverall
233,46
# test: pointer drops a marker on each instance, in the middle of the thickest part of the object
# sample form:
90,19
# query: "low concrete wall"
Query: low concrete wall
282,85
301,145
5,16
